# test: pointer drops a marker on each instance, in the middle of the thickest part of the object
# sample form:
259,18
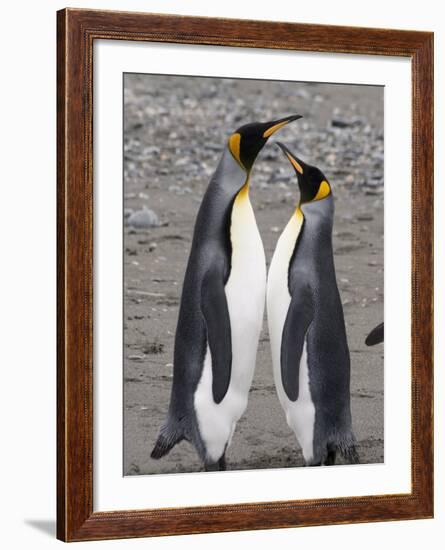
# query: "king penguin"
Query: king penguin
310,353
222,307
376,336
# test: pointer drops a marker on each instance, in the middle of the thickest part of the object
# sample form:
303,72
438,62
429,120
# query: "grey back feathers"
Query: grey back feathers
327,347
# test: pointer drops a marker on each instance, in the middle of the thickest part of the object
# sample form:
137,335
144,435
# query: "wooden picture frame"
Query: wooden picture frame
76,32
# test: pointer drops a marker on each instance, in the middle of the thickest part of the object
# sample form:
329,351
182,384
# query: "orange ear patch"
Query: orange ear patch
234,146
323,191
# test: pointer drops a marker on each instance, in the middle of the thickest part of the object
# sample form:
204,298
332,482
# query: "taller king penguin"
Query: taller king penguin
221,309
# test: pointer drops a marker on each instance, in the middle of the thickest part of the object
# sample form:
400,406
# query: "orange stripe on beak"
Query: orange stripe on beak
274,128
295,164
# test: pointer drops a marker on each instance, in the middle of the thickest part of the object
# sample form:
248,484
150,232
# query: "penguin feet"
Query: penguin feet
222,463
330,459
219,466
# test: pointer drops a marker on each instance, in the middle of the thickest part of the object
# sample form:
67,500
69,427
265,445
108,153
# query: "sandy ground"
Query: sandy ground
175,128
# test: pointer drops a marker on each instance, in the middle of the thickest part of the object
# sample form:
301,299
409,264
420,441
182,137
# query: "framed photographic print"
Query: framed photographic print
244,275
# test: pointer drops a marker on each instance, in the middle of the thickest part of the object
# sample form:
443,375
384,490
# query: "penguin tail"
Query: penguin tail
168,437
350,454
346,445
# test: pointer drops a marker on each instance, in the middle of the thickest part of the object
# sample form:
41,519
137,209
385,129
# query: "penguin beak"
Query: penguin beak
274,125
295,161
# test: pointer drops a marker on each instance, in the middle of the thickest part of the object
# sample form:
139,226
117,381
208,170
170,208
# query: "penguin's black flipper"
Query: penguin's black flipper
376,335
216,314
299,317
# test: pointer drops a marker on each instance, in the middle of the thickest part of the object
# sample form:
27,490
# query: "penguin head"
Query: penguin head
312,182
246,142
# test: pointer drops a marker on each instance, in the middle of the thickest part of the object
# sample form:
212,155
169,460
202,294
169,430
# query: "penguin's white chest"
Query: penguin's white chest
300,414
245,292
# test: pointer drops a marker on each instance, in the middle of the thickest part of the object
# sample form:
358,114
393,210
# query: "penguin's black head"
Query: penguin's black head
248,140
312,182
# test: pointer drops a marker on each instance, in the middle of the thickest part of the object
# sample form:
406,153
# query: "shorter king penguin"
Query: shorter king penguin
222,307
307,331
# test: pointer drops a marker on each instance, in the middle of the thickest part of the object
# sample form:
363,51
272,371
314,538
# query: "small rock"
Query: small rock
270,154
373,183
179,189
343,123
213,147
143,218
302,93
277,178
153,348
151,150
136,357
374,192
134,468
